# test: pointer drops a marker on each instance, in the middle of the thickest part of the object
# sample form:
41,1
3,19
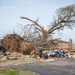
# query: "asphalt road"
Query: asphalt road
57,67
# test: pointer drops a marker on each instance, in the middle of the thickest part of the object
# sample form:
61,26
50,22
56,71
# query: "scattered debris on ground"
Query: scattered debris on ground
15,50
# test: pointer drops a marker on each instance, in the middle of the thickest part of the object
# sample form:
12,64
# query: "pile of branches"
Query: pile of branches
14,42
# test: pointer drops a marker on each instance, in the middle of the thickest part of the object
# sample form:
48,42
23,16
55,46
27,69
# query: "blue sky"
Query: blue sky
11,10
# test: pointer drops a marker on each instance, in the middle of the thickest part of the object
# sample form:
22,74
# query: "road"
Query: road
57,67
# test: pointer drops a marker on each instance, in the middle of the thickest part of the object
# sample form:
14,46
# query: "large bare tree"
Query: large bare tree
65,17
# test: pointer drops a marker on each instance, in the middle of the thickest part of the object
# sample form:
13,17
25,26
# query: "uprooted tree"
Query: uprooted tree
15,43
65,17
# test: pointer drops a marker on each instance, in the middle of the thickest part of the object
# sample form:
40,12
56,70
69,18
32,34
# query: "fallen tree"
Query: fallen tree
14,42
65,18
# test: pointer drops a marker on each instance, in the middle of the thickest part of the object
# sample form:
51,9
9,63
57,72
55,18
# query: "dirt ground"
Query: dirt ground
32,60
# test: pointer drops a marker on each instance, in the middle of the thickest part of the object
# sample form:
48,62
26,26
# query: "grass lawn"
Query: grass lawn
12,71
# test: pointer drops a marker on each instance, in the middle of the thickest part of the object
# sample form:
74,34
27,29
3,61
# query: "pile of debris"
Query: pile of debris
14,42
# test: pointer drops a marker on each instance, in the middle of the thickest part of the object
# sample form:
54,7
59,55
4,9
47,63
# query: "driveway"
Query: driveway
57,67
